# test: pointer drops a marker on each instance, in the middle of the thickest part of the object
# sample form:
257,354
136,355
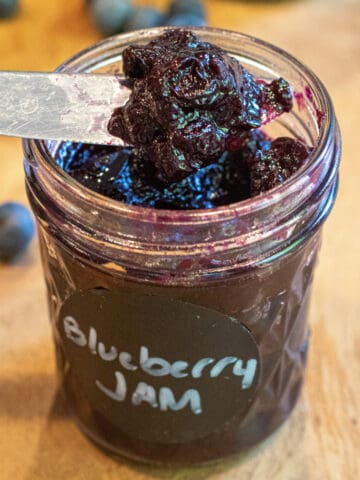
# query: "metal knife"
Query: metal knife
60,106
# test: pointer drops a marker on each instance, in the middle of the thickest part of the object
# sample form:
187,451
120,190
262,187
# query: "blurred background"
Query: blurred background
321,440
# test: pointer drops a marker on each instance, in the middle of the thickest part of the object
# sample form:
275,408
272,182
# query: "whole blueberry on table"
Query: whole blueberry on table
187,7
110,16
185,19
16,230
8,8
144,17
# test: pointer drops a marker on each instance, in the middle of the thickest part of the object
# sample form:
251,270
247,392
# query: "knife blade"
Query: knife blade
60,106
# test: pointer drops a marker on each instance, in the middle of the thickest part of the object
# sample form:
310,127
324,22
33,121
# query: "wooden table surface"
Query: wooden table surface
321,441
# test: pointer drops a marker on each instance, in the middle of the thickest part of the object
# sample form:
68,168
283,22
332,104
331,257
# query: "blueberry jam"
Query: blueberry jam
122,175
271,167
193,125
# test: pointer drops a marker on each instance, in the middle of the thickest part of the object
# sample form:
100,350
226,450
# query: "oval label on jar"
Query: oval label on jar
160,369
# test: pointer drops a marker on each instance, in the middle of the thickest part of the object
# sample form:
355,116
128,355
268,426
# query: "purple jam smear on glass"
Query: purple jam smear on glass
193,125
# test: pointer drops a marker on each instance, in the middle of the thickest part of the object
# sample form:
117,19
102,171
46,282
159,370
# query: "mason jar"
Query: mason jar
181,336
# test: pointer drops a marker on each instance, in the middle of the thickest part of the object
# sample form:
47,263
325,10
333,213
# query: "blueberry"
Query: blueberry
144,17
8,8
271,167
110,16
182,20
16,230
187,7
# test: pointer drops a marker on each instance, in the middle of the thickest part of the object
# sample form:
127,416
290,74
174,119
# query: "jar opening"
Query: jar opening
263,222
318,101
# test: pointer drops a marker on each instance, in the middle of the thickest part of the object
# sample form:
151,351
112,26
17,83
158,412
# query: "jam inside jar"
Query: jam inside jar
181,336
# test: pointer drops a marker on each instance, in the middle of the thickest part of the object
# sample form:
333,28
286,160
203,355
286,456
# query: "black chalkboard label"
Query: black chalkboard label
159,369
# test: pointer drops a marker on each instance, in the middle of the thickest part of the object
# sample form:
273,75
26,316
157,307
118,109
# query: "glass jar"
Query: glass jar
181,336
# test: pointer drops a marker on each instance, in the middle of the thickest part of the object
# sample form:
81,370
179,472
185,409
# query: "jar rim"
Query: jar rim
184,245
237,209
